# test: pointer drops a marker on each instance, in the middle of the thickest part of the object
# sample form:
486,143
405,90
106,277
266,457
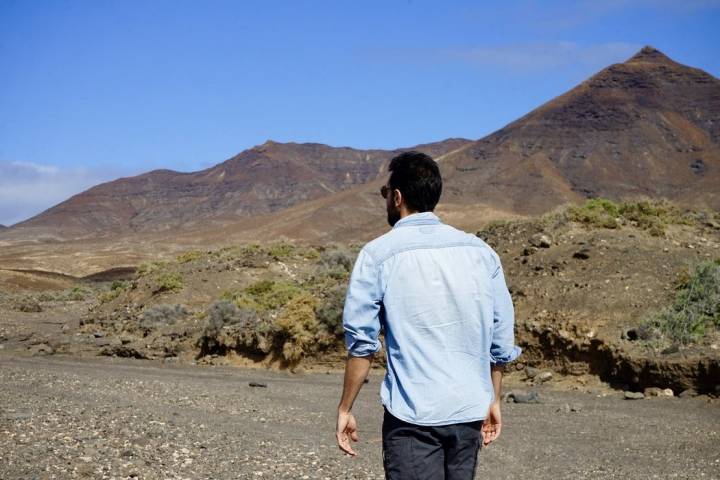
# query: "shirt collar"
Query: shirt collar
422,218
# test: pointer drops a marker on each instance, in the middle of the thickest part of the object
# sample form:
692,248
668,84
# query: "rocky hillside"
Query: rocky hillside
258,181
646,127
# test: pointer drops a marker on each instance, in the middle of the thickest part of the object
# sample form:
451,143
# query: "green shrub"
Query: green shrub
263,295
150,267
652,216
695,309
596,212
76,294
297,327
168,282
27,304
280,250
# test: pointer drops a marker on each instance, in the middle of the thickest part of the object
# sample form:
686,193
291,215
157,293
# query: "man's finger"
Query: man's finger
345,445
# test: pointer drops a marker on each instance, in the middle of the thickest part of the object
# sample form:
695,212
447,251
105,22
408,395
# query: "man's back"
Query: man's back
440,296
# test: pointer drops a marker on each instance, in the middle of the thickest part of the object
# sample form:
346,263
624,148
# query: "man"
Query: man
439,294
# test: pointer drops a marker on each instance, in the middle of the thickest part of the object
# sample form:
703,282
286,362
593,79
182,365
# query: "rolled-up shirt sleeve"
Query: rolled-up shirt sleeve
363,302
502,348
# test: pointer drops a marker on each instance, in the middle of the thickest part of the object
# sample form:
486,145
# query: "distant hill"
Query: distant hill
261,180
646,127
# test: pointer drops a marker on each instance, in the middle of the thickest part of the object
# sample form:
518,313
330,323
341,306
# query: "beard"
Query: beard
393,215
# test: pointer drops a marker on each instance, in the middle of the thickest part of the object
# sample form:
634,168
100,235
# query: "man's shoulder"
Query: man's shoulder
402,239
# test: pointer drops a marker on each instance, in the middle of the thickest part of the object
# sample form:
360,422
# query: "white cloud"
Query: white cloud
28,188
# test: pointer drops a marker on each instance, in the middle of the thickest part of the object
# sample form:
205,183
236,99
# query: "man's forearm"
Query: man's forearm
496,372
356,371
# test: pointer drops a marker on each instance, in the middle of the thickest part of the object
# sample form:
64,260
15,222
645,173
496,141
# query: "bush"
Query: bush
228,327
263,295
651,216
695,309
27,304
280,250
297,327
329,312
161,315
336,263
596,212
168,282
189,256
150,267
76,294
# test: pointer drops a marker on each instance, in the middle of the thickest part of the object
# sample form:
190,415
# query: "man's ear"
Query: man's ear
397,198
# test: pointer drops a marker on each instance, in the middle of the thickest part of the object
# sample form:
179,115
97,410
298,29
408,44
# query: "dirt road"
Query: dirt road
70,417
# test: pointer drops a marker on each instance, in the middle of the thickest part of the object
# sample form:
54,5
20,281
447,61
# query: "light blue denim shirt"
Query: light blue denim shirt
440,296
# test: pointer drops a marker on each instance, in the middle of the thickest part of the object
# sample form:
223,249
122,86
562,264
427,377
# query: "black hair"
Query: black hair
417,176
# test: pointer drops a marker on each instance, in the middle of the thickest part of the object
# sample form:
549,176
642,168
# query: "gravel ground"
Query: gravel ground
69,417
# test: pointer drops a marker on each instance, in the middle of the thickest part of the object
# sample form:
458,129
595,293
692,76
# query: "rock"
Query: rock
577,368
531,372
668,392
670,349
540,240
527,251
41,349
98,334
653,392
567,408
122,351
582,254
257,385
102,342
522,397
690,392
543,377
633,395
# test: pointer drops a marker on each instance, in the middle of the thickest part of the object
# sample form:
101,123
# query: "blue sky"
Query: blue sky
93,90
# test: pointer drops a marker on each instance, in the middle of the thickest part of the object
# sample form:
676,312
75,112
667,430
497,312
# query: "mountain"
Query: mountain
646,127
258,181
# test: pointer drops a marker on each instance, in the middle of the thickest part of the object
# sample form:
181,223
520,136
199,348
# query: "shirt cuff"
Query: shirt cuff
507,358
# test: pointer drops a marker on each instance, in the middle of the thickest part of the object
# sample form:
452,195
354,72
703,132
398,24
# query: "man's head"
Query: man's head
414,185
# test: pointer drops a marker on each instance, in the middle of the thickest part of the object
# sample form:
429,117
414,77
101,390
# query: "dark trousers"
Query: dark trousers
416,452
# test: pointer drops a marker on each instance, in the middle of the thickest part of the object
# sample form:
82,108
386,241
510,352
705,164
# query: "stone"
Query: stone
257,385
531,372
522,397
543,377
582,254
690,392
653,392
633,395
540,240
41,349
668,392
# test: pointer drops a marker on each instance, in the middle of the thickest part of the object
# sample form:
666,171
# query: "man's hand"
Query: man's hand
492,424
346,429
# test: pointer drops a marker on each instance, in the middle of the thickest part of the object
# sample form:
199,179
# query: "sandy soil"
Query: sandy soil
71,417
